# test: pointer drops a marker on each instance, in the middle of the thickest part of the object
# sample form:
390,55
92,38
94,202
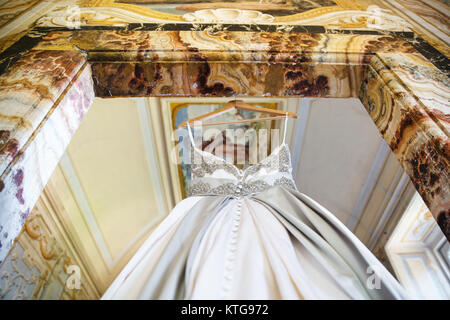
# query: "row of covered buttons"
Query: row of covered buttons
231,254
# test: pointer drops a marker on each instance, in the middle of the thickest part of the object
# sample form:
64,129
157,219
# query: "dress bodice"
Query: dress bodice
213,175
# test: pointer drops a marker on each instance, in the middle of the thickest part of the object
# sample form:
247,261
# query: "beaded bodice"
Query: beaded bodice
214,175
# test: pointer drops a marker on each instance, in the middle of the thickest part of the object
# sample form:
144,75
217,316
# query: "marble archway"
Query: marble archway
46,90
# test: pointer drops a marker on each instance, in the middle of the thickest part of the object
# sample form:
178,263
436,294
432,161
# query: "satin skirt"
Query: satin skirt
278,244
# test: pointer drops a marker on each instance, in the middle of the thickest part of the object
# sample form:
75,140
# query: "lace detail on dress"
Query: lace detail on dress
208,163
280,161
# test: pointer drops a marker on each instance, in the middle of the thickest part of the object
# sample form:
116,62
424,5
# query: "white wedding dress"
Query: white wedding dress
249,234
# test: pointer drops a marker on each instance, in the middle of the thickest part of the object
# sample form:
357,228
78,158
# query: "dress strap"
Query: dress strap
190,134
285,127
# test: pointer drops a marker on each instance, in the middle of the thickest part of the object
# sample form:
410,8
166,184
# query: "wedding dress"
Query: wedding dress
250,234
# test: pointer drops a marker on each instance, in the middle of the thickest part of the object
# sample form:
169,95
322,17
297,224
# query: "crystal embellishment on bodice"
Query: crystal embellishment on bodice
212,175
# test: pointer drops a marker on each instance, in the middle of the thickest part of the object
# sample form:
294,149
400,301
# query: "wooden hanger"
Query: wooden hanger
240,105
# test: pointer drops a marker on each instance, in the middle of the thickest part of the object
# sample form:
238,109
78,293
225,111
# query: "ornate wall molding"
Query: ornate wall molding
419,254
40,263
228,16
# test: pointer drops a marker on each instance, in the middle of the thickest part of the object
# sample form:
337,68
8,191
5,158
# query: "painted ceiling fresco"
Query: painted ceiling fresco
274,8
